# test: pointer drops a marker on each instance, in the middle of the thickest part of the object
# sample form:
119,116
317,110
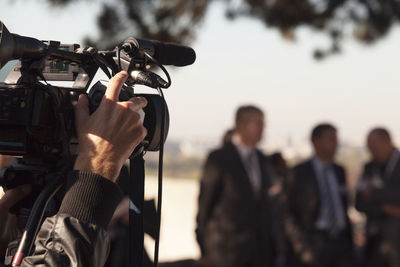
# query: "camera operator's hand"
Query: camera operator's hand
108,136
5,161
8,222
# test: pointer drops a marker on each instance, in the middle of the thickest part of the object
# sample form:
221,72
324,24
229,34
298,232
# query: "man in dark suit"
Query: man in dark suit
233,224
316,220
378,195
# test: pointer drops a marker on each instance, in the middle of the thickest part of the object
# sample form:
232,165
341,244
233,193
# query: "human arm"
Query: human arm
365,200
210,190
295,232
374,201
391,210
374,196
5,161
76,236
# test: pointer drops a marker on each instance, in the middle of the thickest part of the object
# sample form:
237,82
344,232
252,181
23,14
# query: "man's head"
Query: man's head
380,145
249,125
324,140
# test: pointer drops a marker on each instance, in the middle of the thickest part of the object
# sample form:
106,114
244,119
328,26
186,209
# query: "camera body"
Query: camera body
37,118
36,121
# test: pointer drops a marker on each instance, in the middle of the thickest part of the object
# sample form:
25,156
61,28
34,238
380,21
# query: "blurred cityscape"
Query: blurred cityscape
184,159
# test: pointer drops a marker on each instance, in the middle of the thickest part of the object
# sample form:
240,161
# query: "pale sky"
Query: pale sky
243,62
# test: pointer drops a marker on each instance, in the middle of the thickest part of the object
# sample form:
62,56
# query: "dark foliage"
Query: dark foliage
178,20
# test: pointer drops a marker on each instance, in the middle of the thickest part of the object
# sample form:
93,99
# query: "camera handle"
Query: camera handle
35,219
136,196
136,203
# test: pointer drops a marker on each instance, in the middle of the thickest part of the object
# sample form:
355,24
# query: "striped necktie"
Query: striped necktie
329,203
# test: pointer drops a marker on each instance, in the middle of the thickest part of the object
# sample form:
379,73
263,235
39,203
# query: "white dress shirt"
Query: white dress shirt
250,161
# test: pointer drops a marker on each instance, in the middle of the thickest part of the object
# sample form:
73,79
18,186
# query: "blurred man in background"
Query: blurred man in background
233,221
316,218
378,195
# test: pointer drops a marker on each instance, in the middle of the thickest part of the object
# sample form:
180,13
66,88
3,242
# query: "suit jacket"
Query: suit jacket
387,193
303,202
232,221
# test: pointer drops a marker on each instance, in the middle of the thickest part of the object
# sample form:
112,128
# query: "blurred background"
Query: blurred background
303,62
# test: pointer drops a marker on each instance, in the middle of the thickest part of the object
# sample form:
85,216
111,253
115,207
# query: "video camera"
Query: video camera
36,118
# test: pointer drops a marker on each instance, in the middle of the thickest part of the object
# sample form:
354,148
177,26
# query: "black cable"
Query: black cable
103,64
36,217
160,175
40,208
119,57
162,68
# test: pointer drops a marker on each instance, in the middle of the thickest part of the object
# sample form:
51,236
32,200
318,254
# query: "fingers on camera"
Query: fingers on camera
82,107
144,133
115,85
137,103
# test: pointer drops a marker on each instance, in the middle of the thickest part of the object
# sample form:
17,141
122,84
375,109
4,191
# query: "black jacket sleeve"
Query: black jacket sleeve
295,232
210,190
76,235
368,205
